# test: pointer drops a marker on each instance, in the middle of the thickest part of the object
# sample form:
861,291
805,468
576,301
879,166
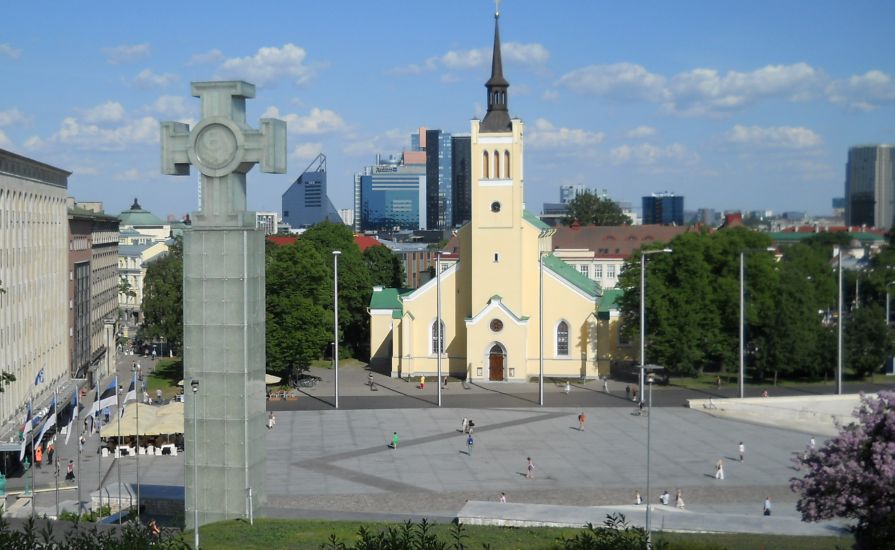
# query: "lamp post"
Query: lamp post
839,333
742,377
541,327
643,255
138,389
439,334
888,317
195,385
650,379
336,254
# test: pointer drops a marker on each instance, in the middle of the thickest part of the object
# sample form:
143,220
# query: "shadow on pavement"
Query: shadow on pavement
505,393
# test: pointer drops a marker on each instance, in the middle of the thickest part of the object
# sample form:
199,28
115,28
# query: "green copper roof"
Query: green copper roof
571,275
136,216
609,301
534,220
390,298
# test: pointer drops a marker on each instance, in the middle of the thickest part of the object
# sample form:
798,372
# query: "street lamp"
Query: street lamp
439,346
336,254
195,385
888,317
839,332
541,328
643,256
139,395
742,379
650,379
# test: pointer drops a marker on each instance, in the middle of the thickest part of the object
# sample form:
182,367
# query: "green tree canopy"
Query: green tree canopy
163,297
590,209
385,267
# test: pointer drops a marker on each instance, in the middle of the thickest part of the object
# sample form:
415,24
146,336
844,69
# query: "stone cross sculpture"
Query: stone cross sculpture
223,147
223,303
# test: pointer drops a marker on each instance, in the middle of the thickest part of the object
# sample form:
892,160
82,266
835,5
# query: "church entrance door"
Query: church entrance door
496,362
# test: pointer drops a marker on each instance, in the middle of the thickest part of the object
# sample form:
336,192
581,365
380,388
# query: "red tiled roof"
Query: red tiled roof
362,241
618,241
281,240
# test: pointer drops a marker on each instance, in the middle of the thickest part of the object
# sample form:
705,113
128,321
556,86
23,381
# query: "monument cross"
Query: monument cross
223,147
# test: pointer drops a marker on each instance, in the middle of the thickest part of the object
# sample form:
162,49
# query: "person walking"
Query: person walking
503,498
530,469
679,500
422,382
568,389
812,444
742,450
464,425
51,450
637,499
665,498
719,469
154,530
38,456
469,442
70,471
271,420
627,392
606,385
581,419
395,441
766,510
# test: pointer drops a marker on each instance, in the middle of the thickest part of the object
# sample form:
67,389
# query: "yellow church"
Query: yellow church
490,297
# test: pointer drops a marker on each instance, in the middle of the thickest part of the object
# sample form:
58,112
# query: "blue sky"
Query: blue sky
735,105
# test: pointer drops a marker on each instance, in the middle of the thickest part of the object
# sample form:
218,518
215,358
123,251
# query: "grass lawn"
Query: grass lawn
165,376
343,362
270,534
729,380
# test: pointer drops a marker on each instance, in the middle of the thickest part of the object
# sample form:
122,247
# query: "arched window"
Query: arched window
437,343
485,165
562,338
497,164
506,165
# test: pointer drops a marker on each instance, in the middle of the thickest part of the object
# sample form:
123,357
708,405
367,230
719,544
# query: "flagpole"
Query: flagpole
31,433
55,462
139,396
118,445
80,435
99,454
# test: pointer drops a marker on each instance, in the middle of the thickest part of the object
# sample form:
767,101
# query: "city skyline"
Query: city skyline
733,107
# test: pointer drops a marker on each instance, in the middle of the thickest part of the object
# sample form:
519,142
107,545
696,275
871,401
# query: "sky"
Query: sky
734,105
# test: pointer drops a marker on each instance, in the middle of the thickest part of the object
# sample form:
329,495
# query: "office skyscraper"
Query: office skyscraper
870,186
305,202
390,195
664,209
461,149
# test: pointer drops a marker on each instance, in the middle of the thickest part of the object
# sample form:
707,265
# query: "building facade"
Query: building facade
391,195
34,278
439,166
870,186
664,209
490,297
266,222
306,202
93,292
461,167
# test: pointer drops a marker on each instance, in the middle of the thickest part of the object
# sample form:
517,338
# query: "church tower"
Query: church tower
495,251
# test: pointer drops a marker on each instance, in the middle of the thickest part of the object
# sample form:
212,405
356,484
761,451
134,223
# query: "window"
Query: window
495,206
562,338
610,271
624,339
437,343
585,270
496,257
506,164
496,165
598,271
485,165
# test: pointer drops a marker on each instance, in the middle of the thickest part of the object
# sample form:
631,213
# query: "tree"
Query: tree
385,267
590,209
868,341
163,297
853,475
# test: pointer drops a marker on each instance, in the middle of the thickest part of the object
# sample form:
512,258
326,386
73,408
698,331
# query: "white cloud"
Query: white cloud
449,78
108,112
12,117
211,56
545,135
4,141
697,92
147,78
641,132
863,92
317,121
532,55
131,174
646,154
387,142
87,136
172,105
774,137
8,51
269,66
306,151
125,53
550,95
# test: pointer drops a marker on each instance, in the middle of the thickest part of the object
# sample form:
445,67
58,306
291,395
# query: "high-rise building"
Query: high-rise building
306,202
390,194
439,198
461,164
663,208
870,186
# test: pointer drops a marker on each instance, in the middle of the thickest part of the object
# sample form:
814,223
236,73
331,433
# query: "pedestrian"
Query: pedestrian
70,471
581,419
764,393
637,500
51,450
444,383
471,426
742,451
719,469
503,498
270,420
469,442
665,498
634,394
606,385
82,441
679,499
370,380
530,469
422,382
718,382
158,395
395,440
154,530
568,388
464,425
38,456
767,506
627,392
812,444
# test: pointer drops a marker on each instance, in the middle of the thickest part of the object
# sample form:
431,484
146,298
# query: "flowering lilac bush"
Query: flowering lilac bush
853,475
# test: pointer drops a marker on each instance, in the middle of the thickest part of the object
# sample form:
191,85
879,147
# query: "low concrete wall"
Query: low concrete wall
814,414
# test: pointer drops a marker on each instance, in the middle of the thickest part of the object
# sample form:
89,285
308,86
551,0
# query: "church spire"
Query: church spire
497,119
